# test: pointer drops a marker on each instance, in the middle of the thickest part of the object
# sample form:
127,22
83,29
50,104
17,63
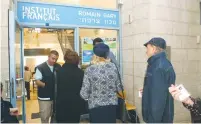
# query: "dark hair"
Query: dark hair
54,52
26,68
97,40
71,57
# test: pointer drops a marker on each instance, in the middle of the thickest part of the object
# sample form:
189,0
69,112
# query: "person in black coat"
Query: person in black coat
8,113
69,104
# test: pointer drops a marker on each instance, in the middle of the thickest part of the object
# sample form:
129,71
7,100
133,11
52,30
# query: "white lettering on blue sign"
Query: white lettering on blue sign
89,17
110,22
89,20
105,15
38,13
28,12
90,14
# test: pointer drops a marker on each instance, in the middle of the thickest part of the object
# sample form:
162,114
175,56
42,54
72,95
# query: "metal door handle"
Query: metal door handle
12,82
20,82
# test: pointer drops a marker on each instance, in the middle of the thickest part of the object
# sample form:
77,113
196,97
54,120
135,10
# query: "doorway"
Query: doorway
28,46
36,44
32,46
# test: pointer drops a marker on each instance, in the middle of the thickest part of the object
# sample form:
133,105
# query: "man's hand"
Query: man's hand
43,85
14,111
40,83
140,93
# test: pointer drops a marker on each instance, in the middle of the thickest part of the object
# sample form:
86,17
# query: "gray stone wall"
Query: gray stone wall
178,22
4,39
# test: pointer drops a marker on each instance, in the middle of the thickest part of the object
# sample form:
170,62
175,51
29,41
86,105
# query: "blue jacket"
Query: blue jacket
157,103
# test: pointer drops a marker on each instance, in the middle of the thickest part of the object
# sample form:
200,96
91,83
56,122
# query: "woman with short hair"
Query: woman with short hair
69,104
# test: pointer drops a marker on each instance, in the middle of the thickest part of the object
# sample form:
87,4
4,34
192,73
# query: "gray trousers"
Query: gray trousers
46,108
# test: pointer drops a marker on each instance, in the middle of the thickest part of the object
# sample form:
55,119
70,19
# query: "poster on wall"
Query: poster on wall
112,43
87,48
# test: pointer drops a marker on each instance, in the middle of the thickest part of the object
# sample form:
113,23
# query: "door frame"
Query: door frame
12,64
12,59
13,19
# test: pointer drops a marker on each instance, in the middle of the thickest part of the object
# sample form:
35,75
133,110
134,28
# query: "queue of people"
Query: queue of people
64,90
99,85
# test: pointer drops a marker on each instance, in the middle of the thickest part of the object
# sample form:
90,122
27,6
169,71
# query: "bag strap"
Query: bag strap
55,90
121,84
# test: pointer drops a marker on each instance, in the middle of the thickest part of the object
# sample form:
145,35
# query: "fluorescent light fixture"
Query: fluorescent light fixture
37,30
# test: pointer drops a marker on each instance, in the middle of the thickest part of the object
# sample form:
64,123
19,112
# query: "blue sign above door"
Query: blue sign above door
28,12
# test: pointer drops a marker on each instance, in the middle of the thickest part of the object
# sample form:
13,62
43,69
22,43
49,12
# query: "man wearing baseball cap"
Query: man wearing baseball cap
157,103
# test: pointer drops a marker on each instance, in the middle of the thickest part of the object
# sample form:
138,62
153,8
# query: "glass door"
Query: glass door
16,67
19,68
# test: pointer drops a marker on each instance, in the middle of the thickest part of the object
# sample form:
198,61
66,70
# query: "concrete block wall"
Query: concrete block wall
4,6
4,54
178,22
134,34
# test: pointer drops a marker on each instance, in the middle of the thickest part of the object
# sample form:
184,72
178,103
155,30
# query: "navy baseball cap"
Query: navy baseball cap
157,41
